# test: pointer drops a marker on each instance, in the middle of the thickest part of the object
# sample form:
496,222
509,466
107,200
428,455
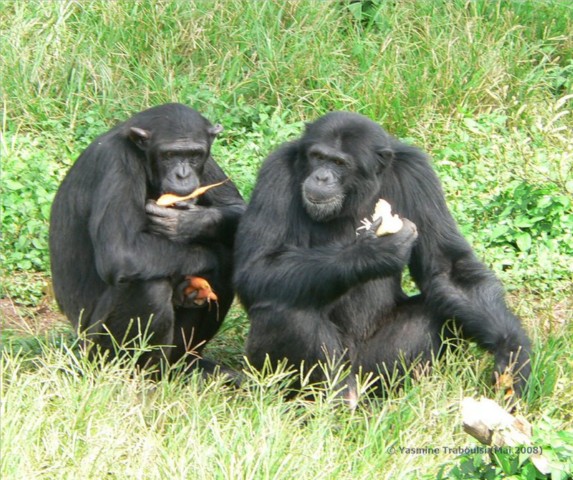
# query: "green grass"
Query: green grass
65,417
484,86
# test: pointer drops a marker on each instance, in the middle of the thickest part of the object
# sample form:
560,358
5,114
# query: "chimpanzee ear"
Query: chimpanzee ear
139,136
215,130
385,156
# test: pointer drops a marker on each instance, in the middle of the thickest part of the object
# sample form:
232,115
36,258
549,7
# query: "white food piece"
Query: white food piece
390,223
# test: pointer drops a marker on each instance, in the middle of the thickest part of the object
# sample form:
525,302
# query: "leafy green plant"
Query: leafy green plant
30,177
249,139
529,231
369,13
526,214
29,180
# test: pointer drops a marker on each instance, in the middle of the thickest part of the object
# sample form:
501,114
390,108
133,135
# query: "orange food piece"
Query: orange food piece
169,199
204,291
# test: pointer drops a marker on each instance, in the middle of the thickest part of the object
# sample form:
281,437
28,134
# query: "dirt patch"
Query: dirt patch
30,320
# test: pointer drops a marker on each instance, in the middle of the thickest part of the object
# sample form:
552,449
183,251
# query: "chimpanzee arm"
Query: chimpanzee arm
124,251
214,218
455,284
273,264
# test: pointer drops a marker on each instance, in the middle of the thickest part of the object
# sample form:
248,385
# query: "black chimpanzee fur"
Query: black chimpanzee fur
311,285
114,261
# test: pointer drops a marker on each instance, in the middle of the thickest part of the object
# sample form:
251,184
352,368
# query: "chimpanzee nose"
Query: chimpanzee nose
322,176
183,171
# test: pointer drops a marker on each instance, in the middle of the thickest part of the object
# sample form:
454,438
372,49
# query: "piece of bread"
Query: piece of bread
390,223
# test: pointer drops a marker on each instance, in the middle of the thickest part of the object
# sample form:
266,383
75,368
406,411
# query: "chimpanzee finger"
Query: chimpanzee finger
153,209
185,205
376,225
161,227
370,230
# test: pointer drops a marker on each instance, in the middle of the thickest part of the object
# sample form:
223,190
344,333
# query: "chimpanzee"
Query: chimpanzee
121,267
314,287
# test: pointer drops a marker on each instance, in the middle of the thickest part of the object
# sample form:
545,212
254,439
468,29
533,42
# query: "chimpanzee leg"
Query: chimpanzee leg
408,335
303,337
194,327
134,309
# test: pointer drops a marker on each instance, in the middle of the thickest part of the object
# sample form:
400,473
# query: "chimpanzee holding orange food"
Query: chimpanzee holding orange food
121,263
318,284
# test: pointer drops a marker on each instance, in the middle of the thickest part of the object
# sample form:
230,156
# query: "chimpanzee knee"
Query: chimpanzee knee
132,316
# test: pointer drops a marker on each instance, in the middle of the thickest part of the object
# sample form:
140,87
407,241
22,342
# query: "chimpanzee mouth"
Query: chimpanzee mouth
321,210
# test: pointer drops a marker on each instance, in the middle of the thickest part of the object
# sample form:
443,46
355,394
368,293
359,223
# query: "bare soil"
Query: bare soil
30,320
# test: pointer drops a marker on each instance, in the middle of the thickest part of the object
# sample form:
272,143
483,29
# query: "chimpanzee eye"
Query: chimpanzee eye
194,157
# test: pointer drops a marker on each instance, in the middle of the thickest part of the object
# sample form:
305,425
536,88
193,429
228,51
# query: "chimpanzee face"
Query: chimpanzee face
341,159
323,190
175,164
179,165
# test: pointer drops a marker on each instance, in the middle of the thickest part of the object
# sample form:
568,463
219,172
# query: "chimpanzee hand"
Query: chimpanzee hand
390,249
181,299
406,236
162,220
184,224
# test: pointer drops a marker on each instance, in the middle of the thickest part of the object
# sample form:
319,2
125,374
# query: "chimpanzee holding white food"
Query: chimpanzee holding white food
315,284
123,265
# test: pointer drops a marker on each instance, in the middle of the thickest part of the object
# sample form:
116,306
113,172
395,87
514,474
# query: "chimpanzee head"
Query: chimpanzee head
176,141
340,160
